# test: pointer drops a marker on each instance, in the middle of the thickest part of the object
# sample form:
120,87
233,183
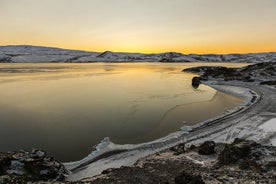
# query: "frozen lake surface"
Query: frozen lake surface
68,108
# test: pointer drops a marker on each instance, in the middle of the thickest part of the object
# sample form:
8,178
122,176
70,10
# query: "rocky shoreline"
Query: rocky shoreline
264,73
23,166
242,161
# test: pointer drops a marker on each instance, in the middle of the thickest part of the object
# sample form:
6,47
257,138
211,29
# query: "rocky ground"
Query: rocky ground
240,162
23,167
265,73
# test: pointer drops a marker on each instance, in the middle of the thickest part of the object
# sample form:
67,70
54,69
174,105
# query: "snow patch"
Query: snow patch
244,93
34,54
270,128
17,167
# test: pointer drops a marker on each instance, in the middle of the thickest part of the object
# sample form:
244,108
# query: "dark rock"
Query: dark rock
5,162
107,171
5,60
207,148
237,151
196,82
192,147
214,72
5,179
248,79
179,149
251,73
271,163
23,167
166,60
270,83
188,178
244,164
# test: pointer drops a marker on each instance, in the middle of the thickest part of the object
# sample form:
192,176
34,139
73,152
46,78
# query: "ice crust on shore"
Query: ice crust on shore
131,153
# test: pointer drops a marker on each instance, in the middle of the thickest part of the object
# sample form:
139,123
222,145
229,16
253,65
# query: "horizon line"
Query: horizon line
129,52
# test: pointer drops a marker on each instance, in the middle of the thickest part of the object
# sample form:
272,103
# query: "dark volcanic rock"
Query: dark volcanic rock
196,82
214,72
166,60
270,83
248,155
251,73
248,79
239,150
207,148
22,167
179,149
5,59
188,178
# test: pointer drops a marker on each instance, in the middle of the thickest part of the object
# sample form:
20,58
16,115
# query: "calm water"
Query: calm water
65,109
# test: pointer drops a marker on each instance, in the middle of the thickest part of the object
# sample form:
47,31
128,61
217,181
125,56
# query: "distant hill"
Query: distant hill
38,54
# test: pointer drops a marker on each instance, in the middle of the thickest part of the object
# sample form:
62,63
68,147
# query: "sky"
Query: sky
148,26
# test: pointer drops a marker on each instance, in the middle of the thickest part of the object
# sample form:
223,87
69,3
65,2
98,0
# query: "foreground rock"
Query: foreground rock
207,148
242,161
23,167
188,178
270,83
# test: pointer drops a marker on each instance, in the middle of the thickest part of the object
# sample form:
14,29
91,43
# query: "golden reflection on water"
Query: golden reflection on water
58,107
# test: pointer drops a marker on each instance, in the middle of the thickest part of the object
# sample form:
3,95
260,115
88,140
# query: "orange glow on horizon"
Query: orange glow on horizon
226,49
186,26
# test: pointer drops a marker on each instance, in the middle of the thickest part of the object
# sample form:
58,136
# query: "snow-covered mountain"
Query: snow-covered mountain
37,54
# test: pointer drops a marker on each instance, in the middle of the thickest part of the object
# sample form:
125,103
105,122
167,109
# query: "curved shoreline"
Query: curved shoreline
127,155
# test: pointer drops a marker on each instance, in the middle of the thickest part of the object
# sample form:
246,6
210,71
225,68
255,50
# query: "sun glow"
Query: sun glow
200,26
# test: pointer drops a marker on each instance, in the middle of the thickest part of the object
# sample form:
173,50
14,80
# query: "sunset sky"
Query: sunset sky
150,26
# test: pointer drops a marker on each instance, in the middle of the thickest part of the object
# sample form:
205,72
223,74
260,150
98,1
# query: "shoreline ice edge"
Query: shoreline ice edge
130,153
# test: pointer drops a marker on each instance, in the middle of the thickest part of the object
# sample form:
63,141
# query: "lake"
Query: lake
66,109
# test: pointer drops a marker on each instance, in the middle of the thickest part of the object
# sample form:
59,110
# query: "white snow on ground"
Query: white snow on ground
270,127
233,90
34,54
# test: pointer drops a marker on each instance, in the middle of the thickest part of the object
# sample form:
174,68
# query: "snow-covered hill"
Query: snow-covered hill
37,54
